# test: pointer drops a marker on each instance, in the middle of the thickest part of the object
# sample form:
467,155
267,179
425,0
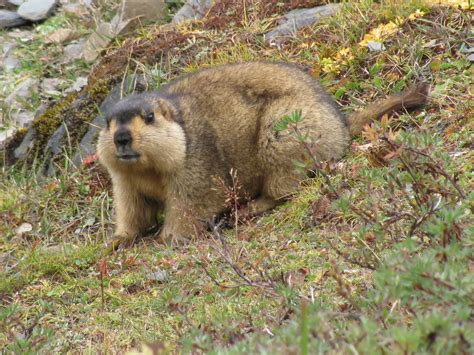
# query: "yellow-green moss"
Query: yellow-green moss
88,110
49,121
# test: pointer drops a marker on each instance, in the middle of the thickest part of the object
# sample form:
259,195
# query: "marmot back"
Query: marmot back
172,145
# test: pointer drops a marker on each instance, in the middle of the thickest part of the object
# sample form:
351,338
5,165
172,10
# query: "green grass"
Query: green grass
377,259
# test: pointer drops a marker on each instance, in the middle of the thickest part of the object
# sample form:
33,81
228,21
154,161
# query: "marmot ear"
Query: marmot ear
167,109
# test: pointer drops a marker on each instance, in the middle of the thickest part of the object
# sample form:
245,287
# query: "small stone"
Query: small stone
49,86
10,19
89,221
35,10
466,49
61,35
431,44
23,228
25,146
23,91
470,57
121,27
158,276
23,36
298,18
10,63
78,84
23,118
98,41
76,9
7,262
192,10
58,248
375,46
88,3
73,51
4,135
7,47
142,10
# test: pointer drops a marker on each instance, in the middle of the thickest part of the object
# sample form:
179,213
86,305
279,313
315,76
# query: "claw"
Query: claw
118,242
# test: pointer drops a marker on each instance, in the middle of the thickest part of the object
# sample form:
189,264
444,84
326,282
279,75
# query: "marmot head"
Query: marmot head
142,133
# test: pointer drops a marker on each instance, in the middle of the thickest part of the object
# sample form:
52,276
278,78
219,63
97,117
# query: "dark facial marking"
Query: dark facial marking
136,105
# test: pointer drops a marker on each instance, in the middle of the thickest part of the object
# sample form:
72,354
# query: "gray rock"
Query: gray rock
132,12
24,91
120,26
35,10
98,41
7,47
78,84
4,135
375,46
298,18
61,35
73,51
158,276
466,49
49,86
21,152
23,228
54,147
54,143
23,36
10,63
192,10
10,19
470,57
88,3
76,9
151,10
16,2
23,118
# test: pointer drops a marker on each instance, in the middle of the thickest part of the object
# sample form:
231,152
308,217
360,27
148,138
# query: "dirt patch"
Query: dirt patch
238,12
137,50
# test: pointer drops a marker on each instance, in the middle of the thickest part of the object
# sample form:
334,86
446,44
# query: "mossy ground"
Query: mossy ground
377,259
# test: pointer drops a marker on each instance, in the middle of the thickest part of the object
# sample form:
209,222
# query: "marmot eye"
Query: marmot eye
150,118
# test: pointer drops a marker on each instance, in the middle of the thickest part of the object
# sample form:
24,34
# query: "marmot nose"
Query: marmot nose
122,137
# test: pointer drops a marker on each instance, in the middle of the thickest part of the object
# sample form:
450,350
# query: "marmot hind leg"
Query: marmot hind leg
276,188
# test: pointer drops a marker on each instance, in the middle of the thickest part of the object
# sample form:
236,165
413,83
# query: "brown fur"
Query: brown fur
215,120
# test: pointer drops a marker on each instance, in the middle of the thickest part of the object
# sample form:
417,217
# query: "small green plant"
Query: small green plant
289,121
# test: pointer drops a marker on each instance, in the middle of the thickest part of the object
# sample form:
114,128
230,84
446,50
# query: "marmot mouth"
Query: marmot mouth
128,157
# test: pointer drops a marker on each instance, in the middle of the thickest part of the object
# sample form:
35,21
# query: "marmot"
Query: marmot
165,149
